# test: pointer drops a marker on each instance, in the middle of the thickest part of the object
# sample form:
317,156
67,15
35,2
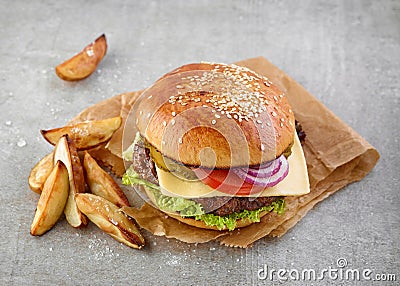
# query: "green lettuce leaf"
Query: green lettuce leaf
131,178
185,207
229,221
189,208
127,155
171,204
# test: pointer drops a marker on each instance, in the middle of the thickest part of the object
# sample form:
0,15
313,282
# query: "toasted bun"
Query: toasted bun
216,116
198,223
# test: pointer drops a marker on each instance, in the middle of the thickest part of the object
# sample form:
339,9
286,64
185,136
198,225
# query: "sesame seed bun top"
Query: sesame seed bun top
217,116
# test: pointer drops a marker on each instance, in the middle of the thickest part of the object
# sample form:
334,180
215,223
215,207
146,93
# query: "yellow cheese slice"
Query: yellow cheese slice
295,184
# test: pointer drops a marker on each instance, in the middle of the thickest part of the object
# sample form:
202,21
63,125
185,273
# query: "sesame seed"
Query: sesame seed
229,89
172,121
173,113
164,123
269,124
275,98
213,121
283,119
281,124
180,140
217,116
259,121
150,97
273,113
141,112
262,147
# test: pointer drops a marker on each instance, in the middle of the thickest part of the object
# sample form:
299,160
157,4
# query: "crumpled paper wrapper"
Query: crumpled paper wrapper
336,156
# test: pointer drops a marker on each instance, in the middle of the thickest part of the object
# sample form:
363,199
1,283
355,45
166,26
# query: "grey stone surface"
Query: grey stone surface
346,53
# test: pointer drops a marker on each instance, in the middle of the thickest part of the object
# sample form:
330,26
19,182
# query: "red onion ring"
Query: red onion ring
264,171
267,175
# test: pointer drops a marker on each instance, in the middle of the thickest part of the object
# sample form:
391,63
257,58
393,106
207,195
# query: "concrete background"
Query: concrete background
346,53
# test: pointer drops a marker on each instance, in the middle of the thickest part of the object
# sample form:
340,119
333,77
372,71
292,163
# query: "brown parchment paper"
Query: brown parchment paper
336,156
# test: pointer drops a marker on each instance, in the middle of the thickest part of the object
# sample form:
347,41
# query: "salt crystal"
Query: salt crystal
90,52
8,123
21,143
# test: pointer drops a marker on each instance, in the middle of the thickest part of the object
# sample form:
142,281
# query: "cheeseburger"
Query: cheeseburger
217,147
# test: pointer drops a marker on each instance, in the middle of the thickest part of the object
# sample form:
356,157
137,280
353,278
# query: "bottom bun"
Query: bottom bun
199,223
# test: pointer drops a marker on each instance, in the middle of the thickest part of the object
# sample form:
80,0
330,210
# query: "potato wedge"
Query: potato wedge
52,200
66,152
85,62
86,135
40,172
101,183
110,219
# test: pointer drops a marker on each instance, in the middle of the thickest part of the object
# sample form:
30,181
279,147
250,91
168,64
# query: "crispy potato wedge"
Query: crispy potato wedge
86,135
40,172
65,151
52,200
85,62
110,219
101,183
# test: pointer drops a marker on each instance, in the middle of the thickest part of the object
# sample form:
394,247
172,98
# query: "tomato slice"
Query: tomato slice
227,182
